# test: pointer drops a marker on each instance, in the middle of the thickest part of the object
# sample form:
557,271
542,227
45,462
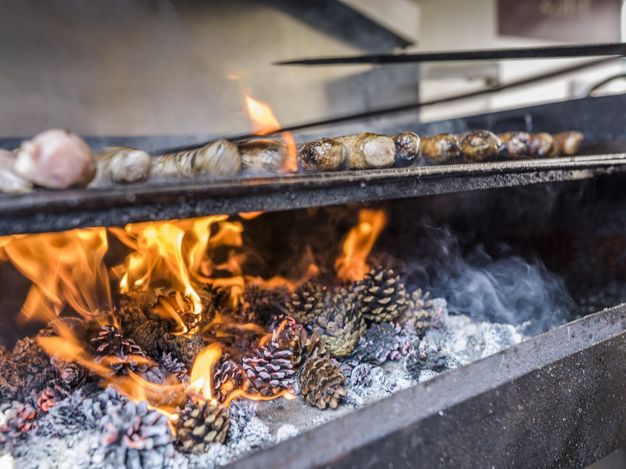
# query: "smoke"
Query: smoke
504,289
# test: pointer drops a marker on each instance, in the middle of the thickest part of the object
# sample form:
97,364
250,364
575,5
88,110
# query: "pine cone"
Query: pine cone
264,303
227,376
118,352
380,343
340,325
71,374
153,336
322,384
135,436
420,313
16,419
175,367
269,370
27,370
307,302
201,424
51,395
288,334
382,296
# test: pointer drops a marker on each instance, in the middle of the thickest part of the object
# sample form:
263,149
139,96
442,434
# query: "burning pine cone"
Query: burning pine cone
307,302
340,325
119,353
16,419
382,296
227,376
200,424
322,384
269,369
291,335
27,369
263,303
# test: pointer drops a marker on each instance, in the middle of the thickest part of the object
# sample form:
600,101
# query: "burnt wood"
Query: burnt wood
556,400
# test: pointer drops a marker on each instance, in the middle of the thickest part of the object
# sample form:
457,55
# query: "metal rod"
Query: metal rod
561,51
415,105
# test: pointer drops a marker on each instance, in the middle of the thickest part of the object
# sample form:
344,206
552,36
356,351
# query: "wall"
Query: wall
153,67
450,25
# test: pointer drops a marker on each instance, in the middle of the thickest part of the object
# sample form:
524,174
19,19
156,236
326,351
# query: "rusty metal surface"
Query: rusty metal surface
556,400
52,211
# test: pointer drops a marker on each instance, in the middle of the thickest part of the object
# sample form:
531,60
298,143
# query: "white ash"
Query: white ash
285,432
456,341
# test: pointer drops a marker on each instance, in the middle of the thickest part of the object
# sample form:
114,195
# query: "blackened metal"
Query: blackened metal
53,211
556,400
417,105
546,52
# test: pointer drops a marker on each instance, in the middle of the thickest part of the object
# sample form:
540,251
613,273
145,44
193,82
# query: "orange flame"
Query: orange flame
264,122
201,378
64,267
352,263
68,268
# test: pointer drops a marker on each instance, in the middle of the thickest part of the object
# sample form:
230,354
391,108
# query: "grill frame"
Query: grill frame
601,119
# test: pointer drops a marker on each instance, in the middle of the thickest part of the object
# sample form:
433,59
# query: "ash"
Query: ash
388,358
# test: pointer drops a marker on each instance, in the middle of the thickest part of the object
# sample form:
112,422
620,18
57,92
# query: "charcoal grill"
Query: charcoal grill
556,400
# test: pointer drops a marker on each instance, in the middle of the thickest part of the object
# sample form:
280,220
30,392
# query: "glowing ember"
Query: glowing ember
352,264
264,122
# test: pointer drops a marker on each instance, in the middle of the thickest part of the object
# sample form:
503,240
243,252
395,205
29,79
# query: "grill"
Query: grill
598,118
522,228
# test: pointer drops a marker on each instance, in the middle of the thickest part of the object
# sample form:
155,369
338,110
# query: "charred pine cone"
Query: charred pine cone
420,313
289,334
71,374
340,324
322,384
200,424
175,367
380,343
307,302
26,370
227,376
52,394
269,370
118,352
16,419
135,436
382,296
264,303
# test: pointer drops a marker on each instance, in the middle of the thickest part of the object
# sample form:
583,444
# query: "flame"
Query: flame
264,122
64,267
177,259
351,265
201,378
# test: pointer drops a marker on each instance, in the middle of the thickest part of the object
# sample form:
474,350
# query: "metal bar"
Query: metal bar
546,52
54,211
413,106
556,400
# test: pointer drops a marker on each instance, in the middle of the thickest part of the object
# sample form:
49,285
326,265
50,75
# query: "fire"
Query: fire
64,267
177,259
352,264
264,122
201,378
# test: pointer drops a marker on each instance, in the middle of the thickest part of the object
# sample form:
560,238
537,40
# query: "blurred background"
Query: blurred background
184,67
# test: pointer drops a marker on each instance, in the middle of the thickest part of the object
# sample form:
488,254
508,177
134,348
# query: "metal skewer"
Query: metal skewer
561,51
